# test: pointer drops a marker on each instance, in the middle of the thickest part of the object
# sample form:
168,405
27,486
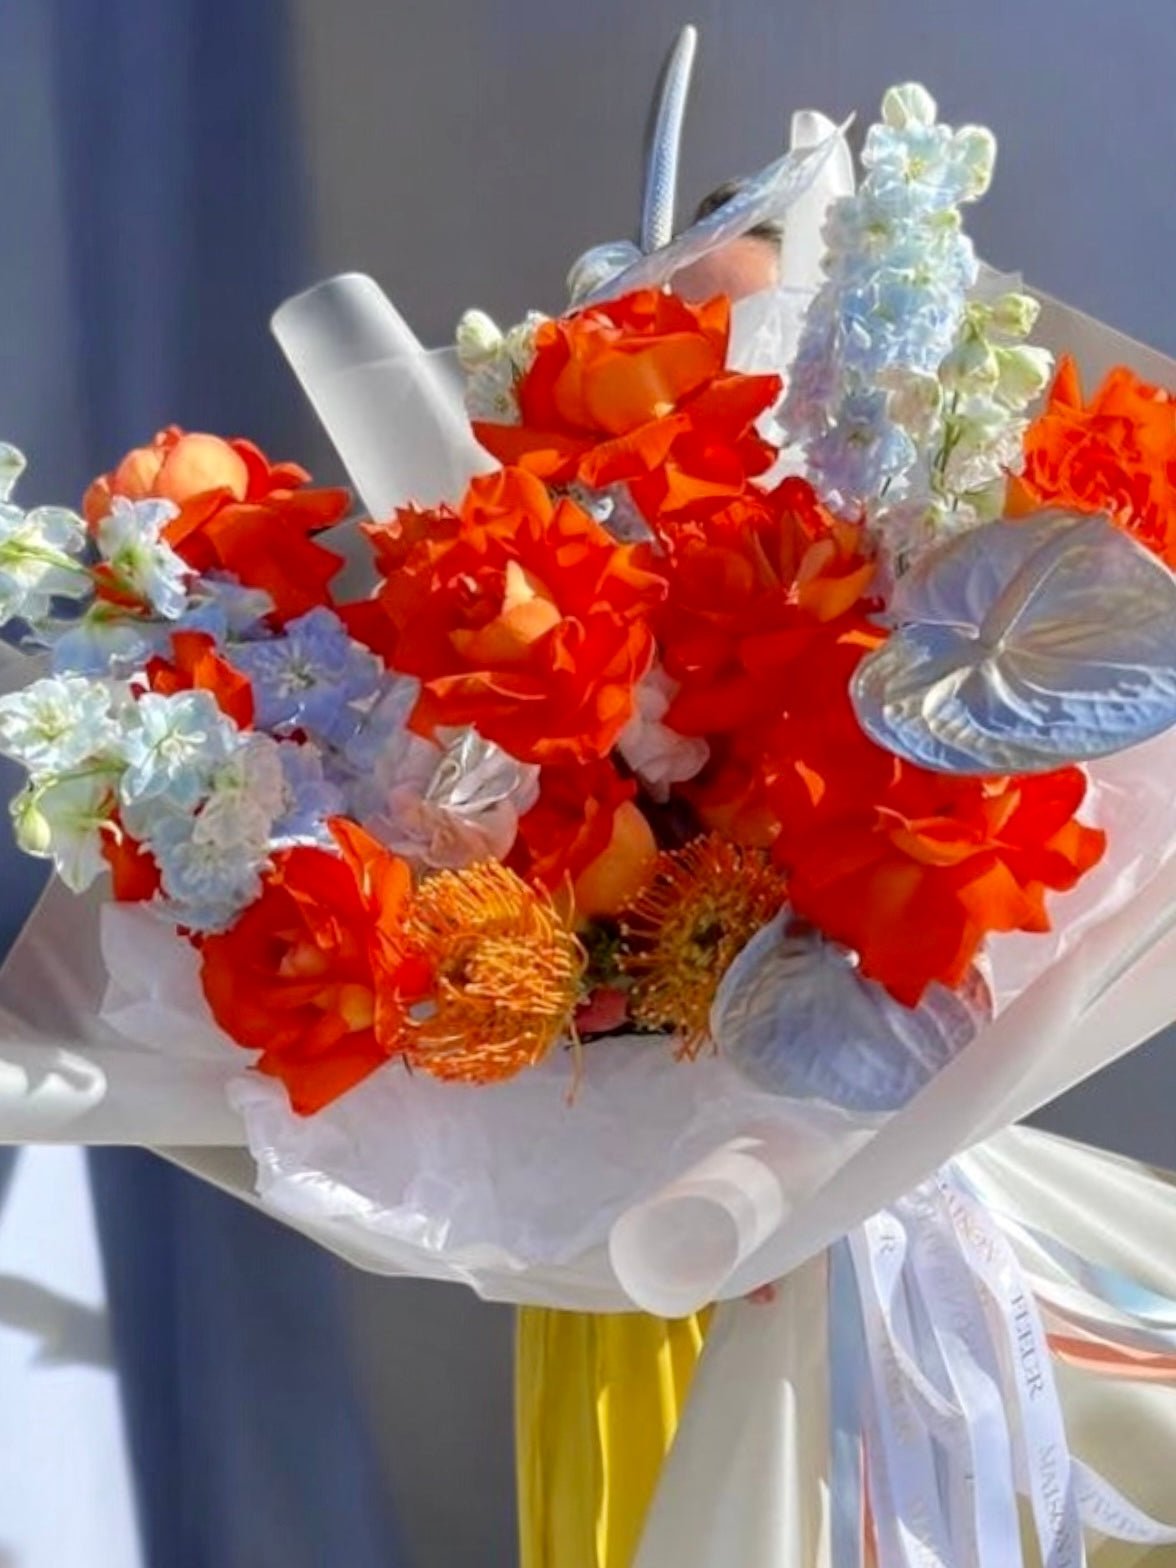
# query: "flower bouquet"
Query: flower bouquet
720,783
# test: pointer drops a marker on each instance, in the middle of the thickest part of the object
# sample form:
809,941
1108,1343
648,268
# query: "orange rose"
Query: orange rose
524,619
1114,454
134,875
623,390
195,665
314,973
238,513
912,869
571,822
751,591
586,834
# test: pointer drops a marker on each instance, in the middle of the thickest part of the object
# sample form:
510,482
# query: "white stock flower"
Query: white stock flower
479,340
37,551
64,820
12,465
58,723
494,361
130,540
1023,374
908,106
520,340
490,393
657,754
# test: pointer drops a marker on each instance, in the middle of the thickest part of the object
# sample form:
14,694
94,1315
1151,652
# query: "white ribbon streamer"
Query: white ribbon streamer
931,1310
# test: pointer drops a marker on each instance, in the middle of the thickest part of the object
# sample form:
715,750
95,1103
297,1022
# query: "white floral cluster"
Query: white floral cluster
40,552
494,361
969,420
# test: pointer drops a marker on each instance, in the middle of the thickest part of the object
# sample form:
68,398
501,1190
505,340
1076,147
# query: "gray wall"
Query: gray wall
465,150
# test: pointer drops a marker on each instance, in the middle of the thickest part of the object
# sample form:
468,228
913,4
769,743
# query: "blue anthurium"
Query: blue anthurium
1025,645
795,1016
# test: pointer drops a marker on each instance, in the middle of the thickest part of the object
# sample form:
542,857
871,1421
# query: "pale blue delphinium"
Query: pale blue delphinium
382,726
107,643
206,879
898,268
866,450
310,797
173,748
225,609
211,859
310,677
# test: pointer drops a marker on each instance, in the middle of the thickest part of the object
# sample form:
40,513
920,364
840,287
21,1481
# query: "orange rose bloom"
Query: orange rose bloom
912,869
195,665
239,513
752,590
571,823
524,619
623,390
586,835
314,974
1114,454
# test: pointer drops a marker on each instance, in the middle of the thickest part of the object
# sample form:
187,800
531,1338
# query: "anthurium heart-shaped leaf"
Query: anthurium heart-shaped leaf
796,1017
1023,645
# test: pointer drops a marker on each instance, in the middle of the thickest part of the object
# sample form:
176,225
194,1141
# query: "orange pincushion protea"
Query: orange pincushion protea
506,974
238,513
632,387
523,618
700,907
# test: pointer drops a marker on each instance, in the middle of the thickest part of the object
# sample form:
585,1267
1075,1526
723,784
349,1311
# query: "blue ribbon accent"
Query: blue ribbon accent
847,1376
1154,1312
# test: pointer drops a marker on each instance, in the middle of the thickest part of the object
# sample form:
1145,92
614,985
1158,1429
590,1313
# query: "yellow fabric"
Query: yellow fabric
597,1402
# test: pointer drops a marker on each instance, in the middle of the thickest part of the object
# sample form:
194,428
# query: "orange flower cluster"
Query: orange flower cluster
339,966
637,390
520,616
1115,453
751,589
766,616
238,513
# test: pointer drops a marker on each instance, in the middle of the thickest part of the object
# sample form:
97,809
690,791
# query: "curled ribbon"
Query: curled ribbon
944,1404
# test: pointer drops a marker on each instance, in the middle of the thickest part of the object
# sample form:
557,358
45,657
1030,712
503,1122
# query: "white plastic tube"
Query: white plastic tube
392,408
674,1252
